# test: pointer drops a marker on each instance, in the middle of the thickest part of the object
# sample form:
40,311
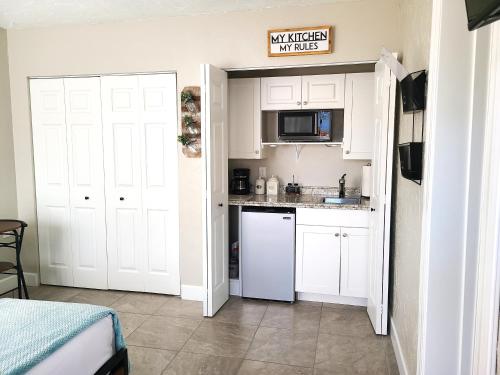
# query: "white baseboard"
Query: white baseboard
8,283
315,297
234,287
396,345
193,292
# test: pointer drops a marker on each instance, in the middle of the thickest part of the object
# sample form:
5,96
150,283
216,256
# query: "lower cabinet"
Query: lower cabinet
317,259
332,260
354,262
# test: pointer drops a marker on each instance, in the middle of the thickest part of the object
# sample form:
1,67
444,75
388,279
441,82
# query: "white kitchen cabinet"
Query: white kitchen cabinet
281,93
317,259
332,253
302,92
323,91
359,116
245,120
354,262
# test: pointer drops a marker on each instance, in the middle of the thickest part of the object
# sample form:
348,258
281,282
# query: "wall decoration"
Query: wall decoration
190,137
314,40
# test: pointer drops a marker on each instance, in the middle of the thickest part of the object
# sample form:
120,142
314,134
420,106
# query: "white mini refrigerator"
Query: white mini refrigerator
268,253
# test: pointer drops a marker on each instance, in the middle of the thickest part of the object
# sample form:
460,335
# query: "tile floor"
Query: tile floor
167,335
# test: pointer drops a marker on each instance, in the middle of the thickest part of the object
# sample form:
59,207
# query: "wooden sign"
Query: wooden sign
300,41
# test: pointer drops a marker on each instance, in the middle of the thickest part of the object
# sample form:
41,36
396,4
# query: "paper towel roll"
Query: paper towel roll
366,181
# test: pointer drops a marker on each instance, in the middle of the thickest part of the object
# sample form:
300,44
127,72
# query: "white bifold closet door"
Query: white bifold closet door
51,175
67,141
140,156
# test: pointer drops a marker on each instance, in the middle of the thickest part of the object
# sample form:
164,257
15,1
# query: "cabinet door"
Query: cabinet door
244,119
279,93
86,181
354,262
359,116
318,259
122,159
323,91
51,176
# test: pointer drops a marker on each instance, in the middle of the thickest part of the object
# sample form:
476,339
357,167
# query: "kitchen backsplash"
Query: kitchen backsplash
326,190
316,166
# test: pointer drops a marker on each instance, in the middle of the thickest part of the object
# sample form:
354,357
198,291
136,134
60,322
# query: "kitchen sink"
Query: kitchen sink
344,200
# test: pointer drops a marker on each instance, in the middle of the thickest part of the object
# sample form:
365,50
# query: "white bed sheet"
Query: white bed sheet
82,355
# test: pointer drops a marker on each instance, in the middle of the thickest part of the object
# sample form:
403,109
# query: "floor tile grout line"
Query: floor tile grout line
139,326
317,336
253,338
279,363
183,345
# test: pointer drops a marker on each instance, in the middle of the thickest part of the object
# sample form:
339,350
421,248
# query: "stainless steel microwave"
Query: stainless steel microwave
307,126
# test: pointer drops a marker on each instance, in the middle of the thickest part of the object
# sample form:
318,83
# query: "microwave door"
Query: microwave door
298,126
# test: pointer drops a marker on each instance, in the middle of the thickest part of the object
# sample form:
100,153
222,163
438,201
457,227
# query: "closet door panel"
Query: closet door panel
86,181
123,150
157,95
51,179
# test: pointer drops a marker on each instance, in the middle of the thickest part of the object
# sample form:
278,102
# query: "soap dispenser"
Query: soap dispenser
342,186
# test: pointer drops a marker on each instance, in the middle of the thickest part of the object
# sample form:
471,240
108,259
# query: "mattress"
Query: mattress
83,354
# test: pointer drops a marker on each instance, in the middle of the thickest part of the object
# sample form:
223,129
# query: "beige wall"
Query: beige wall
316,166
8,207
415,32
180,44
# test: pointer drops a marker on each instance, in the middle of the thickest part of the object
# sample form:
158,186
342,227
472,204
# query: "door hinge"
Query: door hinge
381,310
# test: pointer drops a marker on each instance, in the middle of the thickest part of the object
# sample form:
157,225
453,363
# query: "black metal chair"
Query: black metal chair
12,233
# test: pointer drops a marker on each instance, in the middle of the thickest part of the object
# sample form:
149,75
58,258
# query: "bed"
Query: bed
42,337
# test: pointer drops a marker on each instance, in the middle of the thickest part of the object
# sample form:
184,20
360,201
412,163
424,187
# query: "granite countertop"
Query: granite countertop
285,200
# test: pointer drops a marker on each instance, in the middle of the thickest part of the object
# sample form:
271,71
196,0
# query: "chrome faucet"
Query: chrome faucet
342,186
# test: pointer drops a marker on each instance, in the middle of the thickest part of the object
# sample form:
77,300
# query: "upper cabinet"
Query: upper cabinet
281,93
302,92
323,91
359,116
244,119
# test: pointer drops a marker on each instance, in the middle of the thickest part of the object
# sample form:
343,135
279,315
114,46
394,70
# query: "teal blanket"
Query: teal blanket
30,331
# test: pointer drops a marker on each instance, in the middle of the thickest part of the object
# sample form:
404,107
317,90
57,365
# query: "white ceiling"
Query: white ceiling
36,13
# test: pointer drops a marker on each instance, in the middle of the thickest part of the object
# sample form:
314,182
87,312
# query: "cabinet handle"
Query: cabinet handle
86,198
257,152
347,151
336,234
344,234
220,205
122,199
372,209
305,103
298,103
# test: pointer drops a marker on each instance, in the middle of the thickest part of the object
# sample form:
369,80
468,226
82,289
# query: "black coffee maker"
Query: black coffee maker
240,184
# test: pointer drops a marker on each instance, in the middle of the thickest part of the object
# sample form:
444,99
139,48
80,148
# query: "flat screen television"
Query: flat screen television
482,12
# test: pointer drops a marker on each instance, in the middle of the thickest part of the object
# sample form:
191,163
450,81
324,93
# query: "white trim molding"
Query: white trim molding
398,351
487,302
8,283
447,155
193,292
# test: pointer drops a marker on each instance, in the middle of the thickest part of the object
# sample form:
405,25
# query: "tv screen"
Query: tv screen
482,12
